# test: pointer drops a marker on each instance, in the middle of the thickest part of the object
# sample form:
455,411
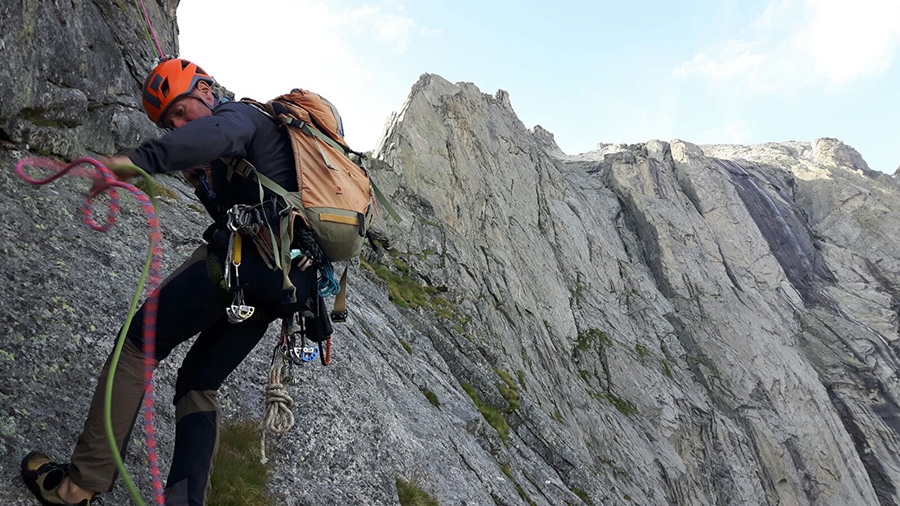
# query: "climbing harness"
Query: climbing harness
249,222
106,182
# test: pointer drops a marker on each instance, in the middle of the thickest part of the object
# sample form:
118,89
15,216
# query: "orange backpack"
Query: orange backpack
335,199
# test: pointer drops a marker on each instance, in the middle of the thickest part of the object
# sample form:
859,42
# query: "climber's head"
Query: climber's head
177,92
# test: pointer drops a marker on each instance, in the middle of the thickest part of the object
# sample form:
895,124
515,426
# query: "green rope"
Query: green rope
148,28
107,402
120,343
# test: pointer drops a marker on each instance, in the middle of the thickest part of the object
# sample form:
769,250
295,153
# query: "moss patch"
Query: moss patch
641,351
524,496
508,389
582,495
520,374
494,418
405,291
507,470
402,290
593,340
623,405
590,338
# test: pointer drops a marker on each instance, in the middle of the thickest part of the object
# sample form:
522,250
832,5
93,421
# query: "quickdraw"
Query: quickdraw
238,311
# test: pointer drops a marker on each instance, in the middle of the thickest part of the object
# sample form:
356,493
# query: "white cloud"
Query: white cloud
734,58
312,44
392,28
801,43
852,39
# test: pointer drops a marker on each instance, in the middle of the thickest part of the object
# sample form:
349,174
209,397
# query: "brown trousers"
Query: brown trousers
190,302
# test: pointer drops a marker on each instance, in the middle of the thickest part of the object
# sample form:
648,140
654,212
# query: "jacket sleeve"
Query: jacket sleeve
227,132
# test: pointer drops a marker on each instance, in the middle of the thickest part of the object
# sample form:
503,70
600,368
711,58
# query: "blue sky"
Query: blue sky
589,72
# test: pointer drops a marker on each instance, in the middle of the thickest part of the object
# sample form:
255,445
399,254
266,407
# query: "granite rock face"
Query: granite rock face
71,72
656,324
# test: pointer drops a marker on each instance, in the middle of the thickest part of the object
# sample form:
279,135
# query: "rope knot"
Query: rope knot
278,418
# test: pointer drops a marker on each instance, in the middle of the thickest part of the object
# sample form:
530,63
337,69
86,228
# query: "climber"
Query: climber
178,95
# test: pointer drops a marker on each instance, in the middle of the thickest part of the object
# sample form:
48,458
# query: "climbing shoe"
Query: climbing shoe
44,477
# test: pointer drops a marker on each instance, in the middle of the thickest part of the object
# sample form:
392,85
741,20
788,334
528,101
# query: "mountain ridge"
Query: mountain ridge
655,323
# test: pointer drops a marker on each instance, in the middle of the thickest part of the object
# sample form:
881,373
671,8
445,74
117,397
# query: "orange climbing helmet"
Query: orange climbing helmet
171,79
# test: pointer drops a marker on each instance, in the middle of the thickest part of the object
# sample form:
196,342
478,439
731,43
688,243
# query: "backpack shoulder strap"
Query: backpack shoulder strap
281,112
261,107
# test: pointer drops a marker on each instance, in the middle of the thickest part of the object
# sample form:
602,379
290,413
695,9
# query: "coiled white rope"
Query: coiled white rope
278,418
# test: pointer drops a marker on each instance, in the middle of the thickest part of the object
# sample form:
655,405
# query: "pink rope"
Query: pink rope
105,180
159,50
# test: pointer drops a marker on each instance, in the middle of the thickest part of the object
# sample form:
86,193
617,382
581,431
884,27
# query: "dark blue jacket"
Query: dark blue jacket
234,130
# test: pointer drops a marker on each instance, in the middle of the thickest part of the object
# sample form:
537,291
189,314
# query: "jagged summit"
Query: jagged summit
432,98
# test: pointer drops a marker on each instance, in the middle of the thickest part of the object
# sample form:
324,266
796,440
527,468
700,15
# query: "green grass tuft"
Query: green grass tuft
641,351
411,495
508,390
524,496
239,479
586,339
623,405
582,495
402,289
432,397
405,291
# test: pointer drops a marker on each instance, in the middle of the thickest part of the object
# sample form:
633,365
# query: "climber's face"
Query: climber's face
196,104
